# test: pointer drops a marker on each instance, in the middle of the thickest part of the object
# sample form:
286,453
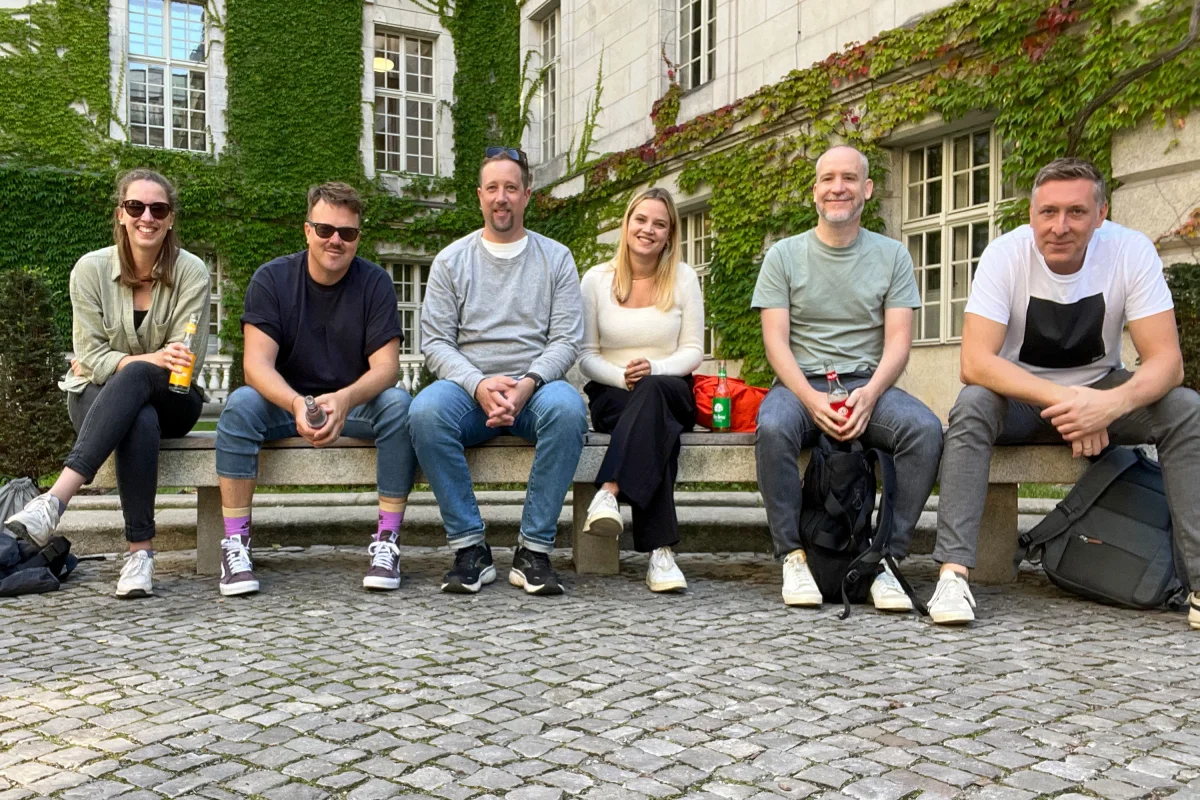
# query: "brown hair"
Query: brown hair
335,193
521,162
1072,169
668,259
164,266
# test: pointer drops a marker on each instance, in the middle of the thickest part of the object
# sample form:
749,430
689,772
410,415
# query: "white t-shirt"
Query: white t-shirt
505,249
1067,328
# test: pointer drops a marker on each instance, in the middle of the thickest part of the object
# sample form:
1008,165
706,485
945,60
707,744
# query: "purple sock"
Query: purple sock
237,526
389,524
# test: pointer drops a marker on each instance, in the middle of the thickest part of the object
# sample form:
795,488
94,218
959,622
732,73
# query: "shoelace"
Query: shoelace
239,557
889,580
944,587
136,563
383,554
663,558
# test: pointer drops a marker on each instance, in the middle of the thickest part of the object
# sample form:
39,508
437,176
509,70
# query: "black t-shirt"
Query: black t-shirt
325,333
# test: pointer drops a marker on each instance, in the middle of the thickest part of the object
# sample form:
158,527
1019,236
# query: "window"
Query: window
549,32
697,42
215,307
404,103
168,76
409,280
953,191
695,238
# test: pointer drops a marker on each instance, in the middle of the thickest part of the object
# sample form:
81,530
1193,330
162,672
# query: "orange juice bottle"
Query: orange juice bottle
181,378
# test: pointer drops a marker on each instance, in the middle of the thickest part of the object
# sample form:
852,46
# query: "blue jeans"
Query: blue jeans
446,420
900,424
249,419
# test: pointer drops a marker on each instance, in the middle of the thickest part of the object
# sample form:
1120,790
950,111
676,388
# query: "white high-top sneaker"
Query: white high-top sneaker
952,602
887,594
663,574
799,588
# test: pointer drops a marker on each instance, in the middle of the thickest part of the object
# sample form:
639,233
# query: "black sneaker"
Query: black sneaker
532,571
472,568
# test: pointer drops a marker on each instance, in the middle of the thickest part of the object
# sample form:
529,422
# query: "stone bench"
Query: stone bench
704,458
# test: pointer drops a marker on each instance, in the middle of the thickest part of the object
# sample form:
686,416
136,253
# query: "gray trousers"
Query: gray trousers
981,418
900,424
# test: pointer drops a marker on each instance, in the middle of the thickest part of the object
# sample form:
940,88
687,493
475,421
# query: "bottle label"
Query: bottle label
181,378
722,413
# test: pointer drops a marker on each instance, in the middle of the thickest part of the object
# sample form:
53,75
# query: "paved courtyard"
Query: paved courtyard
316,689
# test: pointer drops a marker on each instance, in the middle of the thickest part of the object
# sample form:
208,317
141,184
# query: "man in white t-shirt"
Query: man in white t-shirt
1041,357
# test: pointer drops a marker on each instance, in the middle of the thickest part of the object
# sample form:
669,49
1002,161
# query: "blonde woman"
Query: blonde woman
643,337
130,303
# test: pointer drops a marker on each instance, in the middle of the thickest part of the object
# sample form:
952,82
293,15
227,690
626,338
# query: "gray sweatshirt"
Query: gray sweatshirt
485,316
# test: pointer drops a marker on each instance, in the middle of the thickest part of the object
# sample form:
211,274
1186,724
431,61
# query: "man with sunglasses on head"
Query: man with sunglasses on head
320,323
501,325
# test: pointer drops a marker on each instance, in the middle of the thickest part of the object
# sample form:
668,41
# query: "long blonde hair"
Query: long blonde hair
668,259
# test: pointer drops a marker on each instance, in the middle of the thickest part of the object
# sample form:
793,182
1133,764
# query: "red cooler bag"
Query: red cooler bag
746,400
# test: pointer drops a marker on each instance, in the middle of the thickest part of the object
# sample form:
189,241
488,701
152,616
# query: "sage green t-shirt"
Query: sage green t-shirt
837,296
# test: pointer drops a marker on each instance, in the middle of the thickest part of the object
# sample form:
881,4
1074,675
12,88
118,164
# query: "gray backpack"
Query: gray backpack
1110,538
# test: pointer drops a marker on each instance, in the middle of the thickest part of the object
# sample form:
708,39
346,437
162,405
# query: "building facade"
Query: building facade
945,180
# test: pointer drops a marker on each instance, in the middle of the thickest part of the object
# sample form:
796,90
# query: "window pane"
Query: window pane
933,247
979,239
933,197
933,161
962,184
914,250
982,186
956,318
981,149
962,153
961,245
933,319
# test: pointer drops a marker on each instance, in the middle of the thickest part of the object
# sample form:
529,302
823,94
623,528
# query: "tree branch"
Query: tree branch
1075,135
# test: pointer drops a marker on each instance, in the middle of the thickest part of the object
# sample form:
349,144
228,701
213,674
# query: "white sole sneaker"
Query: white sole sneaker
676,585
380,583
952,617
130,594
803,599
239,588
603,522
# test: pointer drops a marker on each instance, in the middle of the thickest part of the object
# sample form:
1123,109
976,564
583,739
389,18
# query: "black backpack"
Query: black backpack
1110,538
842,551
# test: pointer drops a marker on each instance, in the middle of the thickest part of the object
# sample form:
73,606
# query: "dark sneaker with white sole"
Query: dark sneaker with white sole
472,568
384,574
532,572
237,571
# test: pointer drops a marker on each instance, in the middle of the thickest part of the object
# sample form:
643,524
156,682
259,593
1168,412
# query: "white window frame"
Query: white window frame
549,29
197,136
945,241
697,42
409,303
408,104
216,301
695,249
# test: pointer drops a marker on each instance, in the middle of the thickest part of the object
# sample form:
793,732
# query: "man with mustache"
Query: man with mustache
1041,357
501,324
844,296
321,322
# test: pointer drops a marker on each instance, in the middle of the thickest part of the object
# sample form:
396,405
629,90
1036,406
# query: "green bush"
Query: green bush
1184,280
35,432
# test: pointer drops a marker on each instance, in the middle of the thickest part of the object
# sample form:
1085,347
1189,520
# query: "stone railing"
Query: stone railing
214,379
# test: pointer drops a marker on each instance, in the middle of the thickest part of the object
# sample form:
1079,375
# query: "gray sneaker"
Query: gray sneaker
237,571
37,520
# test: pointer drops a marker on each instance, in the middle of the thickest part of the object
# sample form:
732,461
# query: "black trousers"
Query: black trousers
643,453
128,416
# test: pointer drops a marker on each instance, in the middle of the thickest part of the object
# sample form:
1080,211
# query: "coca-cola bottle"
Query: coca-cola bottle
314,415
837,393
722,403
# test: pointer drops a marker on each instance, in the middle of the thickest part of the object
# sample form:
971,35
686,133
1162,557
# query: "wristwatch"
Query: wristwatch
538,382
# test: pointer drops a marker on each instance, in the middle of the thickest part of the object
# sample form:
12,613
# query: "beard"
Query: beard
854,212
502,228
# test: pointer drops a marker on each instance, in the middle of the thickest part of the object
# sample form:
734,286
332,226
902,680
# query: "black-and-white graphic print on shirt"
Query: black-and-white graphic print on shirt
1063,335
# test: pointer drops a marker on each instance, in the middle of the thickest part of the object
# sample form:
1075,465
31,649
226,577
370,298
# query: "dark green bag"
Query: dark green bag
1110,538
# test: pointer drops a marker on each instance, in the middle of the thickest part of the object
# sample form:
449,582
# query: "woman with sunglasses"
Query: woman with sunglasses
643,317
131,304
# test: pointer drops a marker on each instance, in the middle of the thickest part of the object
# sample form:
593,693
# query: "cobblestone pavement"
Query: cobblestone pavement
316,689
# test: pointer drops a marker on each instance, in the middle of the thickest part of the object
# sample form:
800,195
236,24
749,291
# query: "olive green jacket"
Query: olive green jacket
102,316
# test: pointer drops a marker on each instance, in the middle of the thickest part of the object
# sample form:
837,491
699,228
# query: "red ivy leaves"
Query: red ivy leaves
1049,26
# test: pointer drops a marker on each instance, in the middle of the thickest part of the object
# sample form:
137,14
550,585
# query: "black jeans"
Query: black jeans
128,416
643,453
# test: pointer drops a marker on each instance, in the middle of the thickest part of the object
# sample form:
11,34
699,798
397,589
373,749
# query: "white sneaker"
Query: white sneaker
952,602
604,516
663,574
1194,610
37,520
137,576
887,594
799,588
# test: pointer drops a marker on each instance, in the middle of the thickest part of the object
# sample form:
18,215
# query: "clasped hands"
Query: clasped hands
1083,418
847,424
502,398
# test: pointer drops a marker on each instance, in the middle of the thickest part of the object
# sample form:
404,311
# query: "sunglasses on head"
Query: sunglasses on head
511,152
135,209
325,231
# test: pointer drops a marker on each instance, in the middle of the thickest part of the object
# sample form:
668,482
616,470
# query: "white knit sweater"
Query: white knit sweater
672,341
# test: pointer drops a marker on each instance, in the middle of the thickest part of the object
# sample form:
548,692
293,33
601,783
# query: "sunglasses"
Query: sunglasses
511,152
325,231
135,209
